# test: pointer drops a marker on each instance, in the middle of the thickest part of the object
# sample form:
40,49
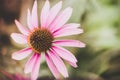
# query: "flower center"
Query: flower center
40,40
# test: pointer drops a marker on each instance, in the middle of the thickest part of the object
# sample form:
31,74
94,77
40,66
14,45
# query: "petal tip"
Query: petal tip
66,76
78,25
35,2
81,30
83,45
75,66
26,72
70,8
11,35
13,57
47,1
60,2
28,10
16,21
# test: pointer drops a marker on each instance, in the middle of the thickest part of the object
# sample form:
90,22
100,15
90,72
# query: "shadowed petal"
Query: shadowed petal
36,67
65,54
67,32
19,38
58,63
61,19
69,43
21,28
53,12
34,16
30,63
44,13
52,67
22,54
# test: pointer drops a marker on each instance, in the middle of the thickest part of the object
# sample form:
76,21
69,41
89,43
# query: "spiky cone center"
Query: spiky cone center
40,40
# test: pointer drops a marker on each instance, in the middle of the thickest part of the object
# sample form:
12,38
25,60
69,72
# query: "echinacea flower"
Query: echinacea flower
42,39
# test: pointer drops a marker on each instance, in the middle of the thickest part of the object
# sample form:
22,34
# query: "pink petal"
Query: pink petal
70,43
35,70
65,54
73,64
67,32
61,19
52,67
29,22
58,63
19,38
22,54
44,13
71,26
34,16
30,63
21,28
53,12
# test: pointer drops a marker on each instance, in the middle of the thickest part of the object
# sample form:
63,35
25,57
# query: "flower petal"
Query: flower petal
53,12
21,28
61,19
73,64
67,32
65,54
36,67
34,16
70,43
71,26
30,63
22,54
52,67
58,63
29,22
44,13
19,38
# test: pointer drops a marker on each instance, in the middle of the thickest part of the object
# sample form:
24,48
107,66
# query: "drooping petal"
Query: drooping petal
21,28
65,54
69,43
52,67
61,19
67,32
34,15
29,22
30,63
53,12
36,67
58,63
73,64
22,54
19,38
44,13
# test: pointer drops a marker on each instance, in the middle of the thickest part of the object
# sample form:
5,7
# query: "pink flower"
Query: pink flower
41,39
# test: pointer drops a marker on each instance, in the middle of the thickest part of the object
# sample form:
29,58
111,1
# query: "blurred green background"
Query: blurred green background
100,19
